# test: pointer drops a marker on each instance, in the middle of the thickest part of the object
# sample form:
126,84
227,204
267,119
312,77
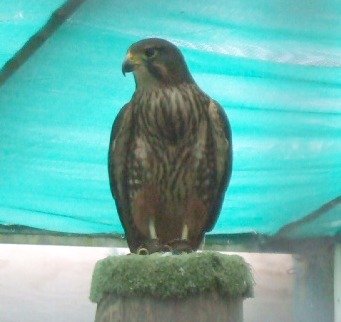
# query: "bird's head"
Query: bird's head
156,62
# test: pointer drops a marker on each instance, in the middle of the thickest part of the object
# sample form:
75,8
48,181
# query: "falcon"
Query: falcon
170,153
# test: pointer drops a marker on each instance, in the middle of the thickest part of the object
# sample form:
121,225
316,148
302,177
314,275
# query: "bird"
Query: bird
170,153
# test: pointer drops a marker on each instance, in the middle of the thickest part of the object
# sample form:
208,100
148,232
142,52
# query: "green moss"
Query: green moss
172,276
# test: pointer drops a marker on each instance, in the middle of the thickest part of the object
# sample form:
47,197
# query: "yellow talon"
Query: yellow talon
167,248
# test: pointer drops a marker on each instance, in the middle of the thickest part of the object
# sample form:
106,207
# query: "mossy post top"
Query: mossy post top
172,276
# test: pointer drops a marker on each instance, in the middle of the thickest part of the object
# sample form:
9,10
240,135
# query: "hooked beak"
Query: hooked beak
129,64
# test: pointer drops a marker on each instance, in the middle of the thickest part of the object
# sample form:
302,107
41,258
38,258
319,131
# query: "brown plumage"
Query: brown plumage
170,153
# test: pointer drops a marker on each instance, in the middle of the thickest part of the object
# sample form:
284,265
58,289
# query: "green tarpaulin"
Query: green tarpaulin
274,66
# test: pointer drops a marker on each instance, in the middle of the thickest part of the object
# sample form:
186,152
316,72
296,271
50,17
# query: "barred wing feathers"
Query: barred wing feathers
121,136
221,132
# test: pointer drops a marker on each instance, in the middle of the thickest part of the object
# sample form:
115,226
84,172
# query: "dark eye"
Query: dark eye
150,52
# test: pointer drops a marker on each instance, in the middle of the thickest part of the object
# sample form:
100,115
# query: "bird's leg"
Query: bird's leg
152,230
181,245
152,245
184,235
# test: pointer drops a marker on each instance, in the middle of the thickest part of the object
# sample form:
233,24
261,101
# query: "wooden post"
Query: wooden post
314,284
195,287
199,308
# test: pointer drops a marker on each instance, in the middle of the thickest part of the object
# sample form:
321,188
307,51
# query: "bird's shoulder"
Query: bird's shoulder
219,118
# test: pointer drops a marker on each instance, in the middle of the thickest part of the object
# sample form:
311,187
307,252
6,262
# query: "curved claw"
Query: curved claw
180,246
142,251
166,249
153,246
149,247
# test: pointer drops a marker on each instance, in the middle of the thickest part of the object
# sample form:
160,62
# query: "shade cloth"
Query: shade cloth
275,66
